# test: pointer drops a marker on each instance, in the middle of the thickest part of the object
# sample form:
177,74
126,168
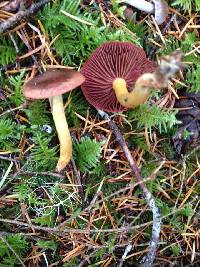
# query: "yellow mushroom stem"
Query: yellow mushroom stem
140,92
64,137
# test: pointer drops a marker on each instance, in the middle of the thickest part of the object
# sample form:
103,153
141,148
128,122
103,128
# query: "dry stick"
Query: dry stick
11,110
153,49
57,231
34,237
12,21
56,175
8,159
3,178
78,180
127,250
22,35
147,260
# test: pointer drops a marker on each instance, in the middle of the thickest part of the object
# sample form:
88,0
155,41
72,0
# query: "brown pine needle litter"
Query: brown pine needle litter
130,194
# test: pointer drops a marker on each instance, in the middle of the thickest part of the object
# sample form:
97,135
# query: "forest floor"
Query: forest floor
94,213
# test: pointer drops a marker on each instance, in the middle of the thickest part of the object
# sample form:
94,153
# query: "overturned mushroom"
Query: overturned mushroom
159,8
118,75
111,74
52,84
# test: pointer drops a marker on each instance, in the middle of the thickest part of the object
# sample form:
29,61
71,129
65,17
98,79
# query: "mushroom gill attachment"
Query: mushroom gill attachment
52,84
111,72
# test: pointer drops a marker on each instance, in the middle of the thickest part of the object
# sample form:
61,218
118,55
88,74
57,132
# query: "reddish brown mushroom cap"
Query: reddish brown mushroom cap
110,61
52,82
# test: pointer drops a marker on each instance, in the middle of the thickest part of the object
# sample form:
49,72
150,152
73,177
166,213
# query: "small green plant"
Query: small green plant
47,244
117,9
175,249
7,51
87,154
187,5
193,79
37,113
23,191
163,206
187,211
8,130
7,256
42,154
150,116
46,218
16,82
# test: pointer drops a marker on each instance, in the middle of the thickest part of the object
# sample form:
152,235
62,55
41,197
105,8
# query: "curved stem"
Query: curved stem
168,67
140,93
64,137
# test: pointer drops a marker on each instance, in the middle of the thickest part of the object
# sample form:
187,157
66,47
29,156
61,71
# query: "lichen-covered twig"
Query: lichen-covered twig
12,21
148,260
127,250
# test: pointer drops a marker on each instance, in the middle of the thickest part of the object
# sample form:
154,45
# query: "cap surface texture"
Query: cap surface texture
52,82
110,61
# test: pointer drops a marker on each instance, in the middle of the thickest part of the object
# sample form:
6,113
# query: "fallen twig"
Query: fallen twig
12,21
127,250
11,110
78,180
8,159
148,260
152,51
57,231
5,175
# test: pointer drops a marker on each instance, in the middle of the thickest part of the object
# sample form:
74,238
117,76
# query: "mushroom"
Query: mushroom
52,84
118,75
112,72
158,7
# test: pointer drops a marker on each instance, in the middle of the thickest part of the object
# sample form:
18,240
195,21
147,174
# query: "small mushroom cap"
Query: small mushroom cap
53,82
110,61
161,11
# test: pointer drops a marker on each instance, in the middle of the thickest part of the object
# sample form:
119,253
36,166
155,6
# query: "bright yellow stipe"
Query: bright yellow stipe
63,133
138,95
